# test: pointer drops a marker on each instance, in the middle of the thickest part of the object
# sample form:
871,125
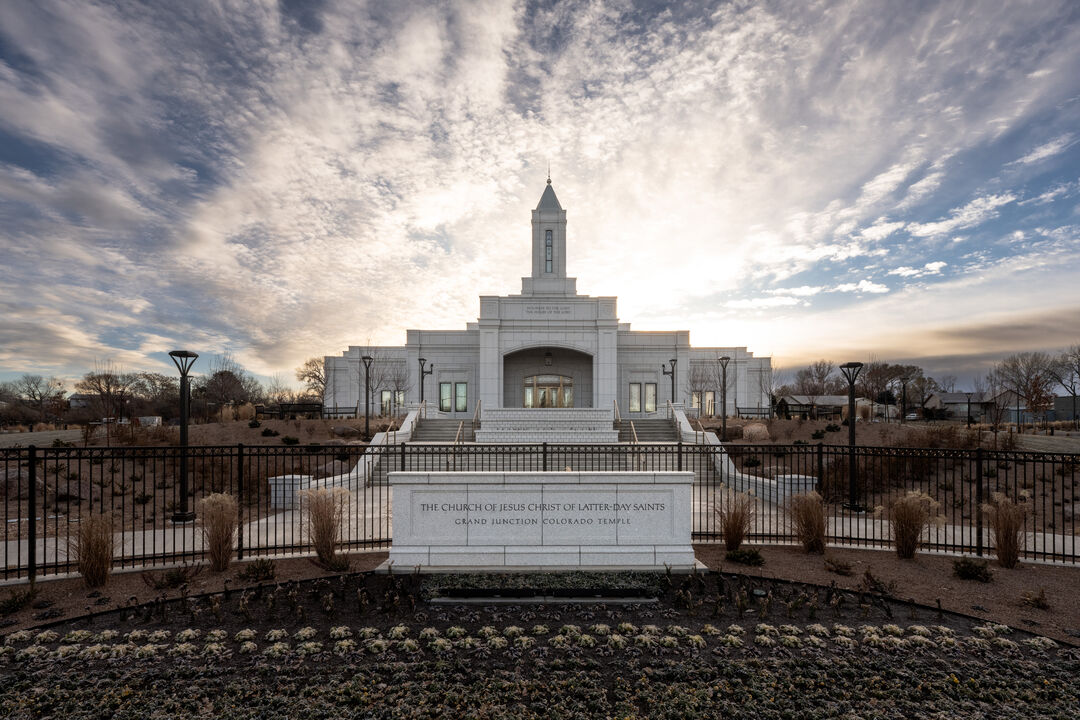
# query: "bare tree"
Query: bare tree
995,402
277,391
947,383
1029,376
229,384
37,392
813,381
399,382
313,374
1066,372
700,378
771,383
378,376
109,389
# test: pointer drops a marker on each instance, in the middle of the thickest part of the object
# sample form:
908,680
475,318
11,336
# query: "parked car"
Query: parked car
911,416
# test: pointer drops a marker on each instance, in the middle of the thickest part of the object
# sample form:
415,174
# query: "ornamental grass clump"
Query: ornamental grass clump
807,513
94,549
219,521
736,520
325,507
1007,521
909,517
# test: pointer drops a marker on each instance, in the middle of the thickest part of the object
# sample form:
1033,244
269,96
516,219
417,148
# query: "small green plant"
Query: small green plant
751,462
968,569
268,432
172,578
17,599
254,424
817,435
258,570
290,440
838,566
1036,600
832,427
143,498
746,556
800,442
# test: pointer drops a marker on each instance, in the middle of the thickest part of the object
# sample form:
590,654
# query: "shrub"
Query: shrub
751,462
817,435
832,427
257,570
807,513
254,424
1007,522
748,556
909,517
270,432
968,569
1038,601
736,519
219,520
172,578
94,549
290,440
324,507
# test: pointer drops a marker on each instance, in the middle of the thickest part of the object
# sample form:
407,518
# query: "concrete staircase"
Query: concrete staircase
649,431
441,430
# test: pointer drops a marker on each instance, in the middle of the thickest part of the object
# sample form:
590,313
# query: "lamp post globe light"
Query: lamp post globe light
670,372
723,396
851,372
367,360
424,373
184,359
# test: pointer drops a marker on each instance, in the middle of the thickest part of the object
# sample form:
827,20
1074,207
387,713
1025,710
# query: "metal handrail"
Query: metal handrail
460,431
618,417
476,416
633,433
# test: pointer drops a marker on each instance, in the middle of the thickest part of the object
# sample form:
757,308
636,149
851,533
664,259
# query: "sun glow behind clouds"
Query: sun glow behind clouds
783,177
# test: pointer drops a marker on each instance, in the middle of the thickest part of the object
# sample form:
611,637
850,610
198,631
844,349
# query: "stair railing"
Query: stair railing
476,417
457,442
638,460
618,417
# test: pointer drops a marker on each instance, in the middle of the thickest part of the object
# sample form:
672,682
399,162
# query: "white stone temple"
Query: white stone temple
548,347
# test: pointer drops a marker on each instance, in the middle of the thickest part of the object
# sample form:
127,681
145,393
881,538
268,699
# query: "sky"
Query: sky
280,180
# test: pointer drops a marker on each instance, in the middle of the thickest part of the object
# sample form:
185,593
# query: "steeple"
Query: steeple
548,201
549,249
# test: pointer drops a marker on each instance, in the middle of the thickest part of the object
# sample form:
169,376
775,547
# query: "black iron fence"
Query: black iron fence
47,492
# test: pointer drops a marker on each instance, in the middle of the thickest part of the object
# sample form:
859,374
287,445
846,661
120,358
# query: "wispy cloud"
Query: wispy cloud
285,183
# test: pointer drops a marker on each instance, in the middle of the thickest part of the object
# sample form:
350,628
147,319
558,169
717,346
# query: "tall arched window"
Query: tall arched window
547,251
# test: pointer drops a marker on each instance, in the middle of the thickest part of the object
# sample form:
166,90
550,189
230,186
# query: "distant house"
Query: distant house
78,401
811,406
1064,408
955,404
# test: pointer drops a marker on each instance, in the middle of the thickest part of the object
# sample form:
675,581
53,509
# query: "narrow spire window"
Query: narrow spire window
547,251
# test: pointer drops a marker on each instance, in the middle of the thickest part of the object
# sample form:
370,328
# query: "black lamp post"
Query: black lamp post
670,372
424,373
367,359
969,408
851,372
723,395
184,359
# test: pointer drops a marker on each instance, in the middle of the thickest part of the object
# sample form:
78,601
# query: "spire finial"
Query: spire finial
549,173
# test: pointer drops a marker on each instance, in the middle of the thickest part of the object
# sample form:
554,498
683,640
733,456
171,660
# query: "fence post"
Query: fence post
403,456
240,501
821,467
31,551
680,457
544,457
978,501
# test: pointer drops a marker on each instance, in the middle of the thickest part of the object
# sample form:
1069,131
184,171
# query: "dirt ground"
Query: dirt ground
926,579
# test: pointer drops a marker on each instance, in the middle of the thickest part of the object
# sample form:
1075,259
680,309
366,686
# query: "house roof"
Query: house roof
960,398
818,400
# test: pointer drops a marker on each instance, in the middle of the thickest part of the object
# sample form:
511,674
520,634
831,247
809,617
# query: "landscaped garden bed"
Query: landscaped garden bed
370,645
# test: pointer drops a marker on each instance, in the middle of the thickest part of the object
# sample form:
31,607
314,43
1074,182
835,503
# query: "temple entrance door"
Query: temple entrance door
548,391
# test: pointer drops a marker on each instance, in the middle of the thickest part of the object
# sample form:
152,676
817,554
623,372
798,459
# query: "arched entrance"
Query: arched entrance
547,377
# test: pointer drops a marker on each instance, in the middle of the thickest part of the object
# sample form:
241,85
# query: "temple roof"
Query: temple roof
548,201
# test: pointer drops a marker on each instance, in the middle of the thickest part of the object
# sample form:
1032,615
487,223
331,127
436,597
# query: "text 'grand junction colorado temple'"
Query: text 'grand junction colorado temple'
548,348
